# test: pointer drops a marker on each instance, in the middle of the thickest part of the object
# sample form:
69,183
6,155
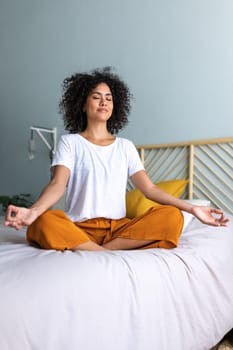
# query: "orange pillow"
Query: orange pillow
137,204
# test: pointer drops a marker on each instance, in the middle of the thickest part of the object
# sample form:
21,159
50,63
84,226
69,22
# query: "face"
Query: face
99,103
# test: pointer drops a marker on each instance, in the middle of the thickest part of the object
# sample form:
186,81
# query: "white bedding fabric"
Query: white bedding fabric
154,299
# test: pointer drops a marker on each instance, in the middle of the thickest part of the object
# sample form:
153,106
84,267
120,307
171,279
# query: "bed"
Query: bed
153,299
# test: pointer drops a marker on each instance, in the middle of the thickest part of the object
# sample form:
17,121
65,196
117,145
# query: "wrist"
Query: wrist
190,209
37,211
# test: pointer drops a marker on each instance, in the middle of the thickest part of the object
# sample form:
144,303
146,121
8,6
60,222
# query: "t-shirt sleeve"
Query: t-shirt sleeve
64,154
135,163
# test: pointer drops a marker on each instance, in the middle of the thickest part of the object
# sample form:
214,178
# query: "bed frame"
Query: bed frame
207,164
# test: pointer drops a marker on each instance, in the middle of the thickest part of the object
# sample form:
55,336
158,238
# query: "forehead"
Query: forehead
102,88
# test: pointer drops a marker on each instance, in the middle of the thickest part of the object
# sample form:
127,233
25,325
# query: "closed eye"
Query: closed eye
97,96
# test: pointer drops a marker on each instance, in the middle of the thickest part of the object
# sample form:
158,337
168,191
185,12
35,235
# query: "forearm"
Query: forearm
162,197
49,196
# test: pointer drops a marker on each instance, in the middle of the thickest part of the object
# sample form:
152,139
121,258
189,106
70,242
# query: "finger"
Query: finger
222,222
224,218
217,211
214,221
11,212
17,225
220,215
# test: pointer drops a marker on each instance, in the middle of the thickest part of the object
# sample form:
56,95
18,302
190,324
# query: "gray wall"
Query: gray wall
175,55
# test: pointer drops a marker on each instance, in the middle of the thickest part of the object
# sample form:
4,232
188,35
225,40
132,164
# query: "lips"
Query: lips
102,110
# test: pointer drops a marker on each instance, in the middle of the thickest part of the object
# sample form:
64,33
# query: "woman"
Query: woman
93,166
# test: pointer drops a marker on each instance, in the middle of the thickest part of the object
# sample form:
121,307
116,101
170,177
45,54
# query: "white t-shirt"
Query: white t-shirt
98,176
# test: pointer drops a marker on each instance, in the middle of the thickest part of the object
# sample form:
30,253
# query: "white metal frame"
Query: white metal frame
41,132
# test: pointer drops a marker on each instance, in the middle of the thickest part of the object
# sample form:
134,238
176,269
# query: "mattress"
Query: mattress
151,299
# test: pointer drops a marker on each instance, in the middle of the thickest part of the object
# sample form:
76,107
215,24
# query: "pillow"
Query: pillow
188,218
137,204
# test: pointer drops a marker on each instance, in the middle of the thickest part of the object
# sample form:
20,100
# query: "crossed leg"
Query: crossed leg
158,227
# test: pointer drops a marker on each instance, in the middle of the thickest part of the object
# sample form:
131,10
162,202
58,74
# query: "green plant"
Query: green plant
21,200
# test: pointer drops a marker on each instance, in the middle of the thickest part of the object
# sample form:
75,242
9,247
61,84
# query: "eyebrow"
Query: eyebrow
102,93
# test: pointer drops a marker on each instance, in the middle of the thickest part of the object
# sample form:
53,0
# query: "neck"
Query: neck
98,132
98,136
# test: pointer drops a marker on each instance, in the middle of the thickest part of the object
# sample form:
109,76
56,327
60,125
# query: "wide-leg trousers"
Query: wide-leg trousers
54,230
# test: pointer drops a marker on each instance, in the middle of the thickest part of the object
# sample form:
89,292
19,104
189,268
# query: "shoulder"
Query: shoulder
71,139
125,142
127,145
69,143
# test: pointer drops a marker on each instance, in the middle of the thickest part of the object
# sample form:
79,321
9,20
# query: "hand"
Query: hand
210,216
17,217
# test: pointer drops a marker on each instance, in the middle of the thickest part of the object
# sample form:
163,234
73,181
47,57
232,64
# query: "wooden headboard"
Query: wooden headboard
207,164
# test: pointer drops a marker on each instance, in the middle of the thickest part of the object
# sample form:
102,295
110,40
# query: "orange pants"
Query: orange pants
54,230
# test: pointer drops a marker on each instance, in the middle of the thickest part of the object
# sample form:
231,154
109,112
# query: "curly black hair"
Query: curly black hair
76,90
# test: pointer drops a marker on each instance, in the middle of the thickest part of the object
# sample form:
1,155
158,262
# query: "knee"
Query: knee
175,216
41,231
48,216
42,224
169,214
173,211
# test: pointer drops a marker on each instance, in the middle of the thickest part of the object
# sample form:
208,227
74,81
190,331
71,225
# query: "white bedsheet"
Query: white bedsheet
155,299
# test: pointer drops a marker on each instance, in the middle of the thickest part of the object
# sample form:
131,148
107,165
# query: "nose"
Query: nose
103,101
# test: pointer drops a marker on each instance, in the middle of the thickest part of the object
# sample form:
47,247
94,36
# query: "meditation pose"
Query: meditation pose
92,165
